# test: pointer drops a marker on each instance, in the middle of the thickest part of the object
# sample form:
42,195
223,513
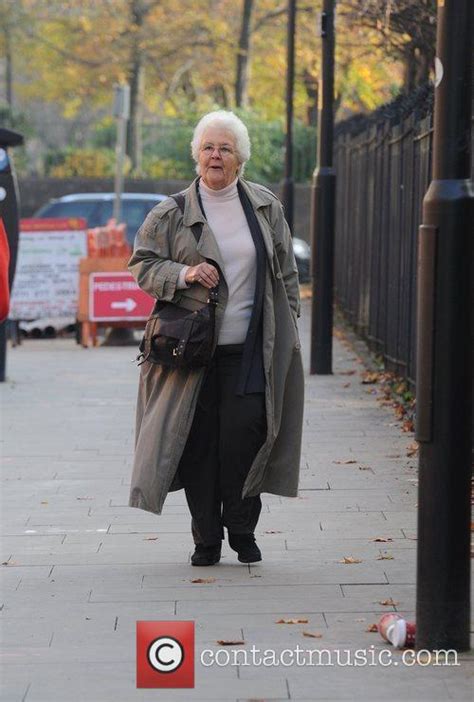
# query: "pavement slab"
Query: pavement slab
80,567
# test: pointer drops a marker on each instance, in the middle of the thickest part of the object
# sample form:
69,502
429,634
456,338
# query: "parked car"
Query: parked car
303,258
97,208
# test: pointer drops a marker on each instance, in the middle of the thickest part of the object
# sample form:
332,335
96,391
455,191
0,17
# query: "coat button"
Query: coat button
278,275
297,347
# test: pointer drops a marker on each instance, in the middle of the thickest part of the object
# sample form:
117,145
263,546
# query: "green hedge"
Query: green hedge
166,150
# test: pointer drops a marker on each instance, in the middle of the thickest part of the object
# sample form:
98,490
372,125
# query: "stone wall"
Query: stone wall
35,192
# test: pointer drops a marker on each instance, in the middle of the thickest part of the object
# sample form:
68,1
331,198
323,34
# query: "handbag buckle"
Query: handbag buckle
213,296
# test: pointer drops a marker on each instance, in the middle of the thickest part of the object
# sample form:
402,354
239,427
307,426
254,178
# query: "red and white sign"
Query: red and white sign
53,224
117,297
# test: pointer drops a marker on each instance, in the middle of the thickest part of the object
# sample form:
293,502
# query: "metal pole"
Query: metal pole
288,181
323,209
119,159
122,113
444,349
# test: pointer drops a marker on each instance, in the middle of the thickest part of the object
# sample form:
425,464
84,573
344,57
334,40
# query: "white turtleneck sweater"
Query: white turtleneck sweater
226,218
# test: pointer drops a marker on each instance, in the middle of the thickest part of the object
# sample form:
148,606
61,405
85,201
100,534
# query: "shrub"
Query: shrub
83,163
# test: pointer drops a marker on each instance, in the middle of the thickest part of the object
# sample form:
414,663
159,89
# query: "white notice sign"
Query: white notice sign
47,275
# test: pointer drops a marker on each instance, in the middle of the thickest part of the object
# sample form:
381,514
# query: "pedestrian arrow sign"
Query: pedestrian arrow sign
117,297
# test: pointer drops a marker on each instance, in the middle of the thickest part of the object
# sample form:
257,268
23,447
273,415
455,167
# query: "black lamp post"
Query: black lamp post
323,209
444,348
288,181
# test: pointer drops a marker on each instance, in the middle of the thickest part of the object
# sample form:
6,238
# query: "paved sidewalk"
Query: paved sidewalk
82,567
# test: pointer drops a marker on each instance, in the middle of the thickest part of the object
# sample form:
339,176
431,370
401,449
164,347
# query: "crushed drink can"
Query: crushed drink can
396,630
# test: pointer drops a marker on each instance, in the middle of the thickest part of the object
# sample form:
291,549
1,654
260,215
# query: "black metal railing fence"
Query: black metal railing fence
383,167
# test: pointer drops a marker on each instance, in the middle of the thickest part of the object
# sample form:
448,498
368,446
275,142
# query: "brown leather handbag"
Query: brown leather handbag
175,336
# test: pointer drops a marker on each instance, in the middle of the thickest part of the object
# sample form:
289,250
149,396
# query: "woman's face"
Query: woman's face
218,158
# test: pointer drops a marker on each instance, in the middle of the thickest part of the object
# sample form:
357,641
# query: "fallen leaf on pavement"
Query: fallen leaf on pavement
346,385
389,601
311,635
408,425
347,372
372,627
369,377
230,642
381,538
350,559
412,449
273,531
385,557
150,538
291,621
350,460
400,411
203,580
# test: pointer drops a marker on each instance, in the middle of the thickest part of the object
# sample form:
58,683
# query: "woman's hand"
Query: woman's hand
204,274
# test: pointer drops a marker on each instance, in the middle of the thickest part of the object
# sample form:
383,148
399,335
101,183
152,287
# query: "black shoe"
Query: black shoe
247,549
206,555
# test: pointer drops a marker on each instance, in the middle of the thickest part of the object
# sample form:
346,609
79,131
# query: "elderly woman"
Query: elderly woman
231,431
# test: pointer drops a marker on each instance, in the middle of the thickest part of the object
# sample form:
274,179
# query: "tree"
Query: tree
182,60
242,73
406,29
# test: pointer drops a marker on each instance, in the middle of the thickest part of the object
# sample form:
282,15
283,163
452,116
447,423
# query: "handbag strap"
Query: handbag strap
197,226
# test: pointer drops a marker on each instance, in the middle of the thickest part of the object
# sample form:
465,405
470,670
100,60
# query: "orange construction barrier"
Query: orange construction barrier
109,241
107,252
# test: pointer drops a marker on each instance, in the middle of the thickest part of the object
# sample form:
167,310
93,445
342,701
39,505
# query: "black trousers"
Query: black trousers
225,436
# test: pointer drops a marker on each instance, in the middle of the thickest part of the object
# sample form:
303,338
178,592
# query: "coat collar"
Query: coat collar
192,210
207,245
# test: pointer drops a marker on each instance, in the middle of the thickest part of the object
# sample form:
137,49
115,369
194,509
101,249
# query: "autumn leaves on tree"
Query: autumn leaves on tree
187,57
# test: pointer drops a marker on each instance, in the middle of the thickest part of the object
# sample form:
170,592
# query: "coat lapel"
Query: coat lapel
207,246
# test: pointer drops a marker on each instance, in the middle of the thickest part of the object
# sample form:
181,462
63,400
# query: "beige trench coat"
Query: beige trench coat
167,397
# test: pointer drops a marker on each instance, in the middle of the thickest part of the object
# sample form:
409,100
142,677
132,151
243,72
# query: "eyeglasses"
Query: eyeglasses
223,150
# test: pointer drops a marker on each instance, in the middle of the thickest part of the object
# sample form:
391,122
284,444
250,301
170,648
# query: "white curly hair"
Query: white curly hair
225,119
